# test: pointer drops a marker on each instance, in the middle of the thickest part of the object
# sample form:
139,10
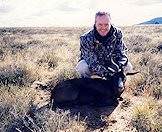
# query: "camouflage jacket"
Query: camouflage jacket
104,58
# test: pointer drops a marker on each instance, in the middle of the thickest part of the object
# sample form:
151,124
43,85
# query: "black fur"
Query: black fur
83,91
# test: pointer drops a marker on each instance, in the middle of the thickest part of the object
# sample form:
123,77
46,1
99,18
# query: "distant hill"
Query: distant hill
157,20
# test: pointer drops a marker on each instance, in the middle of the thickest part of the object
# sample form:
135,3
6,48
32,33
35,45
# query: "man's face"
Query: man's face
103,24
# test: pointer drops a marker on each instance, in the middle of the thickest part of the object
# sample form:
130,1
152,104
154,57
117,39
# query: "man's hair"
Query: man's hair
102,13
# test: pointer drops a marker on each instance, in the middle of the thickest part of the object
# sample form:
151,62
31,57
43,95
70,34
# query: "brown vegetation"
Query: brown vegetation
49,55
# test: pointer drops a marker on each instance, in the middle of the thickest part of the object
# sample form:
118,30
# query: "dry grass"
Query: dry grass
14,103
143,43
145,116
51,54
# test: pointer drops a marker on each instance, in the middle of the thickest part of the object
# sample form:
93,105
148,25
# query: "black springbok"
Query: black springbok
87,91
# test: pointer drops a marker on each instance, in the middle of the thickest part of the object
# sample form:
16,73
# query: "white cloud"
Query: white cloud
5,8
126,12
145,2
75,12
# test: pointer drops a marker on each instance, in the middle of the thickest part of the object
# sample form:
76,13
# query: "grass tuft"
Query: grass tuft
145,117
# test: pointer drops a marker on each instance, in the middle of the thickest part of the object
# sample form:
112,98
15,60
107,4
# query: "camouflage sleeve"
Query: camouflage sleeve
88,54
120,50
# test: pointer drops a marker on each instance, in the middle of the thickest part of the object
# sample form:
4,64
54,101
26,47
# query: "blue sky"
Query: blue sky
75,12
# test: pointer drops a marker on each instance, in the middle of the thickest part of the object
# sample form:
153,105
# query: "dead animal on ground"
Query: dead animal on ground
87,91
